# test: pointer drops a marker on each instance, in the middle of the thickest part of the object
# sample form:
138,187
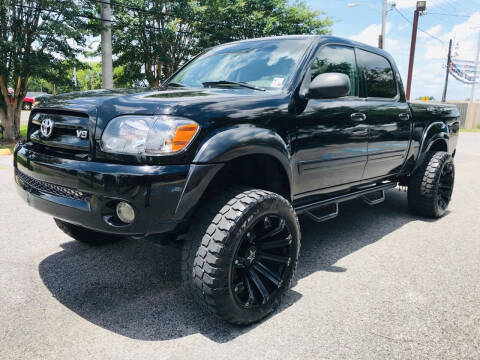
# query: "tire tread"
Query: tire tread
205,247
422,188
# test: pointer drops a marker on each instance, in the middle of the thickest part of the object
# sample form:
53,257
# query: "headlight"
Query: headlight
154,135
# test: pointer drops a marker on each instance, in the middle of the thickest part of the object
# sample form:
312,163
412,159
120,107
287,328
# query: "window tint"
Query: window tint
340,59
378,74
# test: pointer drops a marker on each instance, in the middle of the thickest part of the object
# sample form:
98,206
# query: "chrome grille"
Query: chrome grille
49,188
65,134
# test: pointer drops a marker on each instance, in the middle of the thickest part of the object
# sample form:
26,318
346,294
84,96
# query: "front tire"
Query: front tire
240,255
86,236
430,187
27,106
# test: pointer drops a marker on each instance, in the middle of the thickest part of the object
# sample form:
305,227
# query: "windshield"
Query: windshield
265,64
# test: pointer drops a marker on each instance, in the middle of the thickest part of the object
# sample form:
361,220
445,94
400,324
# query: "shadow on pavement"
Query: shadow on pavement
133,288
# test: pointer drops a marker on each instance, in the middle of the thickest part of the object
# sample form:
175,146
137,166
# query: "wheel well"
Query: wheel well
258,171
438,145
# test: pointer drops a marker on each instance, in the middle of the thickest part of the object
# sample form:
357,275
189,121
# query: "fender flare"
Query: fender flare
226,145
436,131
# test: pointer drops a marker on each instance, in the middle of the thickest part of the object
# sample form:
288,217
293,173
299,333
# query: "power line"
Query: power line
442,19
465,4
425,32
450,7
445,10
59,12
93,17
435,13
117,4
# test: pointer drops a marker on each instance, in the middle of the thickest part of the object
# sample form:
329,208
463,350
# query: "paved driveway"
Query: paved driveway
374,283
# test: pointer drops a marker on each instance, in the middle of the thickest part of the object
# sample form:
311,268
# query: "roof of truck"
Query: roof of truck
320,38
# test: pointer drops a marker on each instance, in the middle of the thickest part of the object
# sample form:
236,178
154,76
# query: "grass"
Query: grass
23,131
476,130
11,145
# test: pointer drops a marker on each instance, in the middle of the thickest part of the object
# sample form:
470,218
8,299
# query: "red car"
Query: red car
27,101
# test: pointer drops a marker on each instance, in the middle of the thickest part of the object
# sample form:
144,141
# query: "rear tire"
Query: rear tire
27,106
430,187
241,253
86,236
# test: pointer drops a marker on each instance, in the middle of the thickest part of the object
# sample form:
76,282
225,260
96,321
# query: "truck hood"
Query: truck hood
210,107
121,101
196,104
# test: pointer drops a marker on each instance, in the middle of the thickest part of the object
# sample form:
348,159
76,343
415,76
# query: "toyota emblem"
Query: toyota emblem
46,128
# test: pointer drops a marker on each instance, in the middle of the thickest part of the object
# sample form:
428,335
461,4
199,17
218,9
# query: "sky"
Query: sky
444,20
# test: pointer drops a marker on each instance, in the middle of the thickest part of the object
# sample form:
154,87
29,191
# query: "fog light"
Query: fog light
125,212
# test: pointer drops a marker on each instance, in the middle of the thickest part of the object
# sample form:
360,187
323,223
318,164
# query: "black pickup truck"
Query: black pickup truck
236,144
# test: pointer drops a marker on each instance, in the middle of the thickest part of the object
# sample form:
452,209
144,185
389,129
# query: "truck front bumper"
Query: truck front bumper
86,193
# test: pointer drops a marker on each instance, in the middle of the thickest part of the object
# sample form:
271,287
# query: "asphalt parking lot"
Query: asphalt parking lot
375,282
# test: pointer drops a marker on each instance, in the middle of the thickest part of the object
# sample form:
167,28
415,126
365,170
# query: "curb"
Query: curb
5,152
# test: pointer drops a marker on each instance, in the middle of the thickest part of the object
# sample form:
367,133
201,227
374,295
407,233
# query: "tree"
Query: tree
90,77
229,20
57,79
36,36
152,38
39,85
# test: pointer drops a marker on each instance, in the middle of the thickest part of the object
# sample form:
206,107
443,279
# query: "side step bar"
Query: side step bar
324,217
367,199
308,209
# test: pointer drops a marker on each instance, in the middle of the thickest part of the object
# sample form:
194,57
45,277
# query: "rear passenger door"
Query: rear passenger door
388,115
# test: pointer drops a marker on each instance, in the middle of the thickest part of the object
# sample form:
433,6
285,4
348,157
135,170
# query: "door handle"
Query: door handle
358,116
404,116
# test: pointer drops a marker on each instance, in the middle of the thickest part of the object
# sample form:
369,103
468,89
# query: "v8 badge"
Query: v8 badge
82,134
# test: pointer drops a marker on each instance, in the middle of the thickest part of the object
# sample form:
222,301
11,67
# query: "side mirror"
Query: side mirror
329,86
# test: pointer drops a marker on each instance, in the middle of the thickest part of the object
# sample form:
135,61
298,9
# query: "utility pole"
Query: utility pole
106,45
473,114
475,77
421,6
449,61
381,39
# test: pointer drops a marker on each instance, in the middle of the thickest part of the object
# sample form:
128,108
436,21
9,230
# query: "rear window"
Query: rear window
378,74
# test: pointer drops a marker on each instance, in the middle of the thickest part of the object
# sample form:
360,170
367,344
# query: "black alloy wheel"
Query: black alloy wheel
241,253
431,185
261,262
445,186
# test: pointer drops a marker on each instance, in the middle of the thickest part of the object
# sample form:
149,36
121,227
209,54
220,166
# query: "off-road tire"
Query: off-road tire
424,186
211,244
87,236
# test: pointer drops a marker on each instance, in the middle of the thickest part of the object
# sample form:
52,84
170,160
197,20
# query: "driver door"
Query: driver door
332,137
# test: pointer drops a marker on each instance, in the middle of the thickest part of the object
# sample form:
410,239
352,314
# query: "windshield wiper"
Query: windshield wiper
227,82
174,84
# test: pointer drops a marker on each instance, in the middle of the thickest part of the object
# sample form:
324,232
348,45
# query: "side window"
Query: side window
379,78
340,59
